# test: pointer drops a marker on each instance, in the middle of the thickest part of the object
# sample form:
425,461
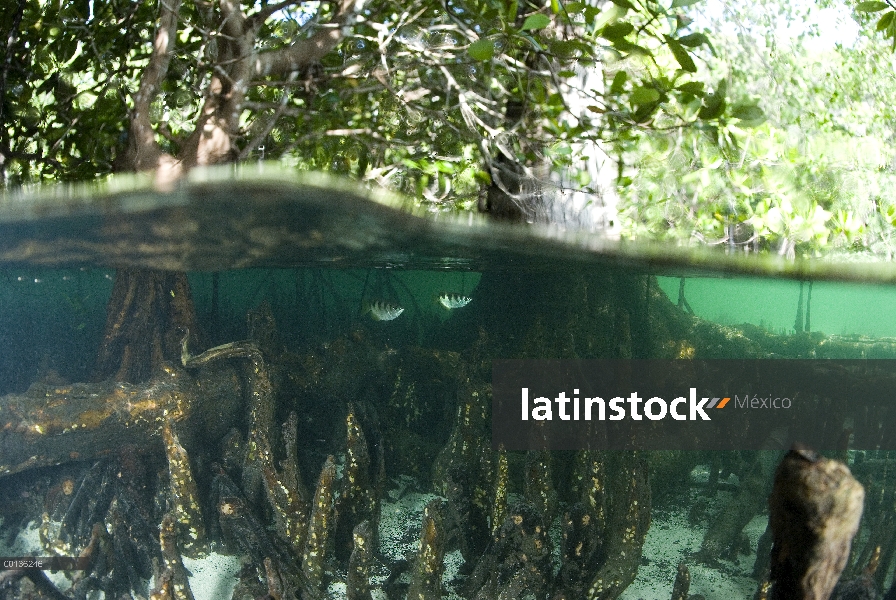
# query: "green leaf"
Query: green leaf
713,106
870,7
618,85
555,7
563,49
624,4
536,21
483,49
645,112
692,87
644,95
885,21
66,48
574,7
591,13
562,149
746,111
617,31
623,45
537,91
681,55
693,40
683,3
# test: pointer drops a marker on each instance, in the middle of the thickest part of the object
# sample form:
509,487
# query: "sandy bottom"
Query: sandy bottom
212,577
671,539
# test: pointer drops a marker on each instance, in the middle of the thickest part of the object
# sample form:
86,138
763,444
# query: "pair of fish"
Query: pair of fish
386,311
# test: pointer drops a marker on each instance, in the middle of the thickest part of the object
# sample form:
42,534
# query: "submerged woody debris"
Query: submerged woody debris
184,495
426,578
56,424
816,506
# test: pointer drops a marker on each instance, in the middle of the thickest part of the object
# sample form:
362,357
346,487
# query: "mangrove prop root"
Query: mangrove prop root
426,579
41,582
240,529
499,504
580,552
358,580
261,413
285,493
628,519
184,493
357,501
282,489
162,590
518,563
319,528
589,484
469,496
464,472
274,579
879,520
724,533
682,583
147,309
584,527
469,436
539,489
52,425
180,586
815,508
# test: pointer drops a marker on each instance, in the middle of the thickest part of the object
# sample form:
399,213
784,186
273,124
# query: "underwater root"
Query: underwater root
56,424
815,509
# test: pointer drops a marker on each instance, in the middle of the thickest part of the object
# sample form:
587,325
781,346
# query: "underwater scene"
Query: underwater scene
245,389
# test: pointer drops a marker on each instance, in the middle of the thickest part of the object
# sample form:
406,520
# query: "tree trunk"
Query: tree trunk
148,314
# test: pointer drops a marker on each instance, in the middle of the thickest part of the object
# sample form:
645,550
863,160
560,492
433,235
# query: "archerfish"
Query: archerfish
452,301
383,311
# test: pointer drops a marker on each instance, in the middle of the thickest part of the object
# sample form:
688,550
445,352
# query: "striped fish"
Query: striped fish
383,311
452,301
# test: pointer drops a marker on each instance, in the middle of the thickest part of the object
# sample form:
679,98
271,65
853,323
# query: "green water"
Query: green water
840,308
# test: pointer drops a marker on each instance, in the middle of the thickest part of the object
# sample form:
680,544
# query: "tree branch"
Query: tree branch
234,24
7,153
264,12
304,53
143,149
269,126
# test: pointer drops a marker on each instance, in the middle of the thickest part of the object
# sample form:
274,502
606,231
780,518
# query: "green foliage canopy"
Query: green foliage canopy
810,173
715,125
422,97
